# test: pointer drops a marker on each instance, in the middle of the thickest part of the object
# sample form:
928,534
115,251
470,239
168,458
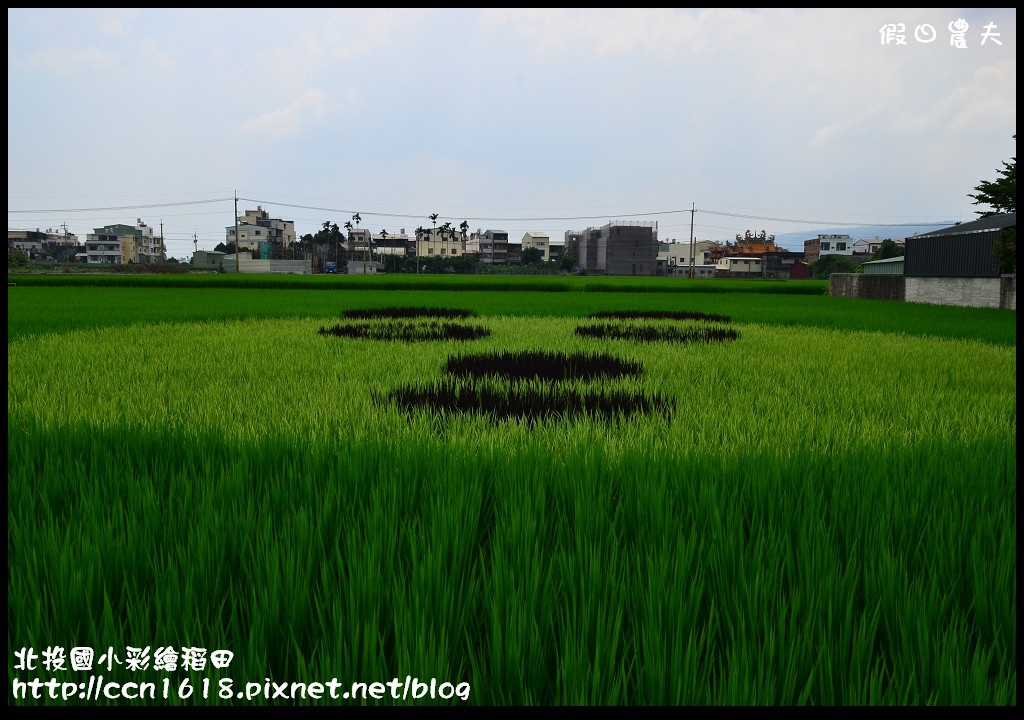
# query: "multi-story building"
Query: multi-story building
38,243
779,264
122,244
620,249
433,242
538,240
815,248
391,244
256,227
489,246
359,244
679,254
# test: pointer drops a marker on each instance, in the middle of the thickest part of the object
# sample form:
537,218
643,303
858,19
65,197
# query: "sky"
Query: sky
522,120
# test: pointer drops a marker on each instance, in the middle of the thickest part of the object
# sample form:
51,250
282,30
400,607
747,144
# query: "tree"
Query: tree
1001,193
828,264
531,256
420,232
888,249
569,260
348,227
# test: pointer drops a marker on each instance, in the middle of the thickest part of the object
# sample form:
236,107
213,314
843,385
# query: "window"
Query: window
825,246
840,246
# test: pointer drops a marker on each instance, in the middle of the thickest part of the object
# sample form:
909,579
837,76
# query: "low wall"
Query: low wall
998,292
867,287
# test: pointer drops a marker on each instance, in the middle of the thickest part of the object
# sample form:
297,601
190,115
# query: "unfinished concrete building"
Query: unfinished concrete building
619,248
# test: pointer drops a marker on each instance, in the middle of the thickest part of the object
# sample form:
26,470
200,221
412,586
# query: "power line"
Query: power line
122,207
345,211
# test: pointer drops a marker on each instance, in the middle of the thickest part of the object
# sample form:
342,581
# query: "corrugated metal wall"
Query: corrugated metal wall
954,255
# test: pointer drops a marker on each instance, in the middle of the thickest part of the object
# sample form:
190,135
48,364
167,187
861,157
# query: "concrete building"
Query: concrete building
620,249
739,266
489,246
540,241
679,254
815,248
868,246
391,244
37,243
122,244
256,226
433,242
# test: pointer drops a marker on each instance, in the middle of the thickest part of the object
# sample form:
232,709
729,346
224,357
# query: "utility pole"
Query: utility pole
195,241
692,271
163,253
236,231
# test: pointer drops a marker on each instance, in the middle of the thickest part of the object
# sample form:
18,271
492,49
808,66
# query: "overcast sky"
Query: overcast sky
520,120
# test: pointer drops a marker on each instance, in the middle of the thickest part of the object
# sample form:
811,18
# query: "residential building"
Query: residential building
679,254
122,244
739,266
433,242
829,244
38,243
779,263
620,249
359,244
538,240
256,226
490,246
515,253
868,246
392,244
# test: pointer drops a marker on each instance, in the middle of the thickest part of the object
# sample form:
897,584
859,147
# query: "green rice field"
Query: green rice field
731,496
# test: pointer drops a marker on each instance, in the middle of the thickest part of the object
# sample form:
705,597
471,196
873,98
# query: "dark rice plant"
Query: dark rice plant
661,315
657,333
408,331
529,402
523,365
407,312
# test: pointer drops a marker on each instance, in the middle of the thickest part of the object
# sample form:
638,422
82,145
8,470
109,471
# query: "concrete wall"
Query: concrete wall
1008,292
867,287
966,292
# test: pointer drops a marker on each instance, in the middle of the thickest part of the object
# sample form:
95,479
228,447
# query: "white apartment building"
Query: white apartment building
121,244
677,254
256,226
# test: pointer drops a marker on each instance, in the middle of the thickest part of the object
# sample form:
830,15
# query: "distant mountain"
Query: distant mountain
795,240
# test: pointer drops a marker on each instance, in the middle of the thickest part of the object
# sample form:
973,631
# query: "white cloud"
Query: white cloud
150,51
66,61
312,107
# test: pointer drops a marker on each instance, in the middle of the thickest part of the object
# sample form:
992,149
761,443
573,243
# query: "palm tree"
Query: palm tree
419,237
357,218
384,239
433,220
348,226
449,234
